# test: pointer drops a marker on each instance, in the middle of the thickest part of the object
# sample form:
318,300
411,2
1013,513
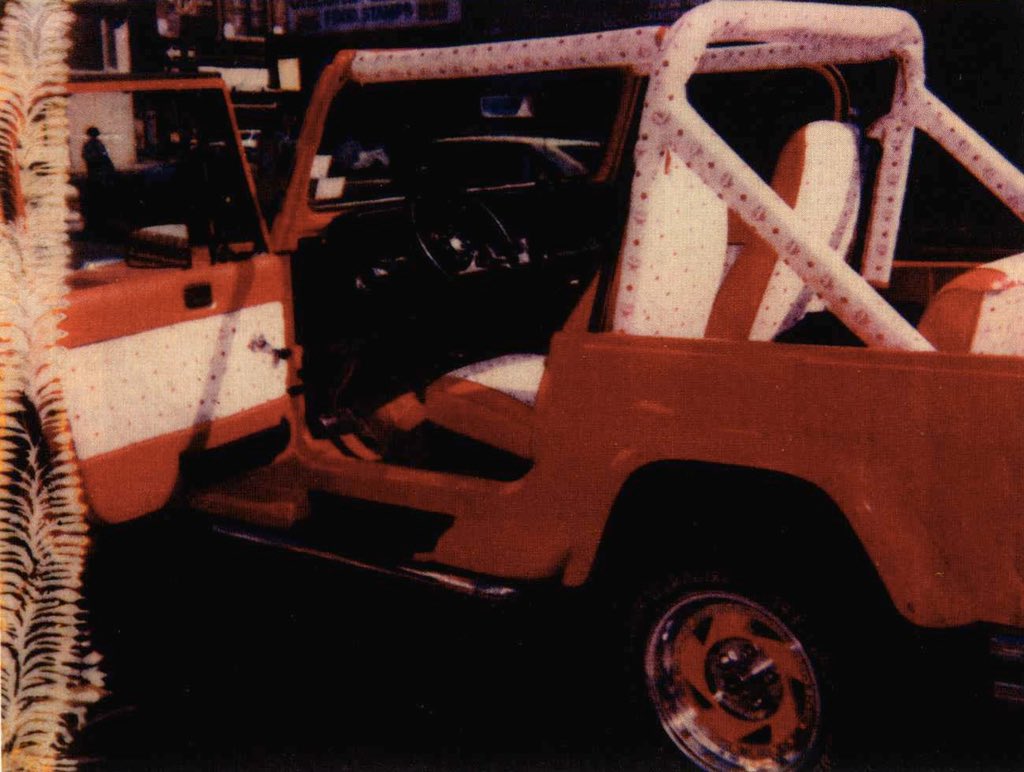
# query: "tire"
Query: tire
731,677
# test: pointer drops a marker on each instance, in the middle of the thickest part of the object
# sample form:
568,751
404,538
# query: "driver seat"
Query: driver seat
494,401
817,173
491,401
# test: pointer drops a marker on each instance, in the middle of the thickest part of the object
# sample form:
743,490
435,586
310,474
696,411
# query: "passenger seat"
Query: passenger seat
980,311
818,175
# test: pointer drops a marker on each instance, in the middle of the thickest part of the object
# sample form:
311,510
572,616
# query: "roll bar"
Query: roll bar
748,35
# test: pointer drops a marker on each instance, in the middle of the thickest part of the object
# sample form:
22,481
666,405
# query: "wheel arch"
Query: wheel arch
691,515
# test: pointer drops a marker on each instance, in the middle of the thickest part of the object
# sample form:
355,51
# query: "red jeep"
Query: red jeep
526,316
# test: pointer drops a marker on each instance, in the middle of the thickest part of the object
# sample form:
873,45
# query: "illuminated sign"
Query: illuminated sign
341,15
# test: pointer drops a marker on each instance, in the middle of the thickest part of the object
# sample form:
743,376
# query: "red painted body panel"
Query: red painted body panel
919,451
123,484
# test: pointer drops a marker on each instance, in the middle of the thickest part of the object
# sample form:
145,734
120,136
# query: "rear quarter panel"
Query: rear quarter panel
922,451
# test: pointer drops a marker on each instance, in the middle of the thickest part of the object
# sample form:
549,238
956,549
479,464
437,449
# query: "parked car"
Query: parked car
646,369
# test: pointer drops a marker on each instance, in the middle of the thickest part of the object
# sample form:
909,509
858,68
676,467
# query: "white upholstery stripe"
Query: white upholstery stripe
142,386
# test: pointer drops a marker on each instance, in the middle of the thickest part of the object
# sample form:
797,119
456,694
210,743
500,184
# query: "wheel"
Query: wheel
457,235
732,678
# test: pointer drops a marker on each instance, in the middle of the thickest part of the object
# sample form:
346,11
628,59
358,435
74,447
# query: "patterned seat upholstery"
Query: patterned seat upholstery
667,280
980,311
493,401
817,174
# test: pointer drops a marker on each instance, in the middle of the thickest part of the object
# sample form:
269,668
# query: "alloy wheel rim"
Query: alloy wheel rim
733,686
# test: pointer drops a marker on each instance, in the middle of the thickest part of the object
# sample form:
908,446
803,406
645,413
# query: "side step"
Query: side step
274,495
462,583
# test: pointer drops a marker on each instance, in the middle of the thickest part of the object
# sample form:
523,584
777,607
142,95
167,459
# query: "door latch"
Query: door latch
259,344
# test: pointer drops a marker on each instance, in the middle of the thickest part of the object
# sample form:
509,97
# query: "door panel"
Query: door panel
167,360
175,323
160,381
139,396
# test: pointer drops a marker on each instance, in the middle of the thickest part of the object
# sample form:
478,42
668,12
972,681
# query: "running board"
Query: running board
464,584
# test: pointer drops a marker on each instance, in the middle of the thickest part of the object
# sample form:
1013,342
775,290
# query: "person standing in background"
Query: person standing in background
99,179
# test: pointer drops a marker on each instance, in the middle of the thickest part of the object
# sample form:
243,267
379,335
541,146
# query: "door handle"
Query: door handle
198,295
260,343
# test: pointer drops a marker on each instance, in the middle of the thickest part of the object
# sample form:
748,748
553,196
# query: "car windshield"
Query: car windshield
472,133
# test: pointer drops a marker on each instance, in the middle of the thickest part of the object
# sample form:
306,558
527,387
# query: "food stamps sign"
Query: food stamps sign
340,15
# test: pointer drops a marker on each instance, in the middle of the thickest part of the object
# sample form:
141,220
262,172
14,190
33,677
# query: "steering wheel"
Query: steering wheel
459,235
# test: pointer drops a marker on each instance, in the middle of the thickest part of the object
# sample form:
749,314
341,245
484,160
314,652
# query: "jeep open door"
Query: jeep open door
178,321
